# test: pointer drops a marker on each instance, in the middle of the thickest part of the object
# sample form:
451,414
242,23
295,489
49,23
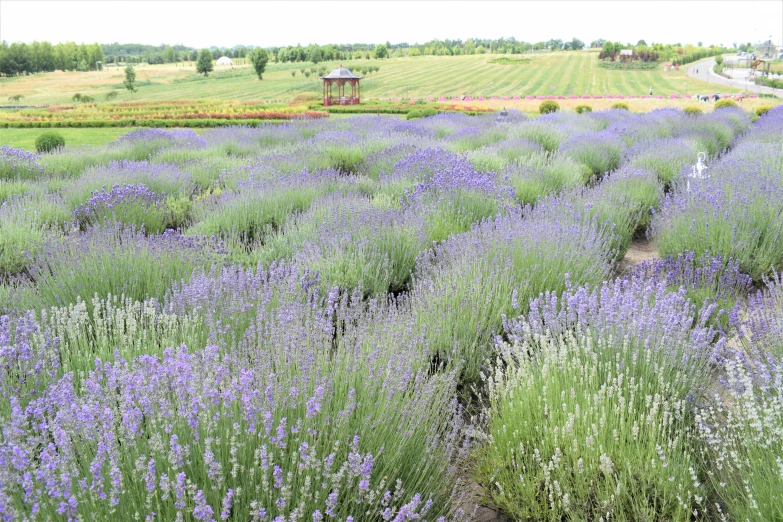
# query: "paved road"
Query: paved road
708,75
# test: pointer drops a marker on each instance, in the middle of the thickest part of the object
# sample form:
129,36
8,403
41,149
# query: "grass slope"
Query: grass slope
25,138
552,73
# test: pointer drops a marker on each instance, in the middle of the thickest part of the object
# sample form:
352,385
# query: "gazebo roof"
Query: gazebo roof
341,73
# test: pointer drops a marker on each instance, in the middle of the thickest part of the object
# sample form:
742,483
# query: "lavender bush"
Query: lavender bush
18,164
589,406
463,289
734,218
741,427
190,439
358,315
540,175
114,260
136,205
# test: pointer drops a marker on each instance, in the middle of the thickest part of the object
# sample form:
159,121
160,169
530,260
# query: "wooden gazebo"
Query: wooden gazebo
340,78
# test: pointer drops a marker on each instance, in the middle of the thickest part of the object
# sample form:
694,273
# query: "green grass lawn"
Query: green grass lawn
558,73
25,138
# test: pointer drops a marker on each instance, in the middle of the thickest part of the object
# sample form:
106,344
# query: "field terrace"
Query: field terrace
364,319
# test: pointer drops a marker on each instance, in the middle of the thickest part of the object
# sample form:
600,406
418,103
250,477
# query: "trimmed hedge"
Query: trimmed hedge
49,141
548,107
583,108
761,111
690,109
620,105
722,104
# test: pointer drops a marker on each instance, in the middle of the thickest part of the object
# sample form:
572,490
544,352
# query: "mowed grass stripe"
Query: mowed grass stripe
567,73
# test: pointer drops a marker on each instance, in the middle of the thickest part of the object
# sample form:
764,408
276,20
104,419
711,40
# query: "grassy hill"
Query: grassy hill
559,73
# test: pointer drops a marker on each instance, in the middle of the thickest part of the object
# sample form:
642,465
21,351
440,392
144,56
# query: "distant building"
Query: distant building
626,55
224,60
766,50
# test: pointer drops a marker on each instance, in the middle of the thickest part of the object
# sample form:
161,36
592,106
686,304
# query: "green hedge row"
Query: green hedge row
631,66
198,123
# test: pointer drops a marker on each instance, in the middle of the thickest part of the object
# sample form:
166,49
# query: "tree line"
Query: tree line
675,53
22,58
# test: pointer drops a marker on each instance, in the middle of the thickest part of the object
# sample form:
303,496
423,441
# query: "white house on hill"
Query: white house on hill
224,60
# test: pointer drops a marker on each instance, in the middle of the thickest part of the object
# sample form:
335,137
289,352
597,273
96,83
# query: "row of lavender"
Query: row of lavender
301,349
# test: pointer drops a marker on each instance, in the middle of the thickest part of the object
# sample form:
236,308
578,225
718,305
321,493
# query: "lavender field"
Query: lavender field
371,319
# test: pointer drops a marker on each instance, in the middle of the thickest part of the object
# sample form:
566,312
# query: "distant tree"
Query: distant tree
15,99
111,95
480,49
130,80
307,74
215,54
314,55
641,43
293,74
259,58
204,64
597,43
576,44
699,44
414,52
169,54
381,51
76,97
87,99
82,66
193,55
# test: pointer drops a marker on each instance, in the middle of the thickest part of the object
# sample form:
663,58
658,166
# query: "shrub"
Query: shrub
692,110
428,111
666,157
741,427
548,106
600,152
255,210
722,104
620,105
580,109
289,398
462,291
135,205
116,260
542,174
49,141
19,164
20,240
761,111
736,219
414,114
590,407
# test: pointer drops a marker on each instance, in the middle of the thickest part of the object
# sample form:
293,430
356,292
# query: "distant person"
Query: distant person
650,90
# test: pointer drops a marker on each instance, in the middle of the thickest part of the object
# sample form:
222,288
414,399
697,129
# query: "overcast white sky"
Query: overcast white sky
205,23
